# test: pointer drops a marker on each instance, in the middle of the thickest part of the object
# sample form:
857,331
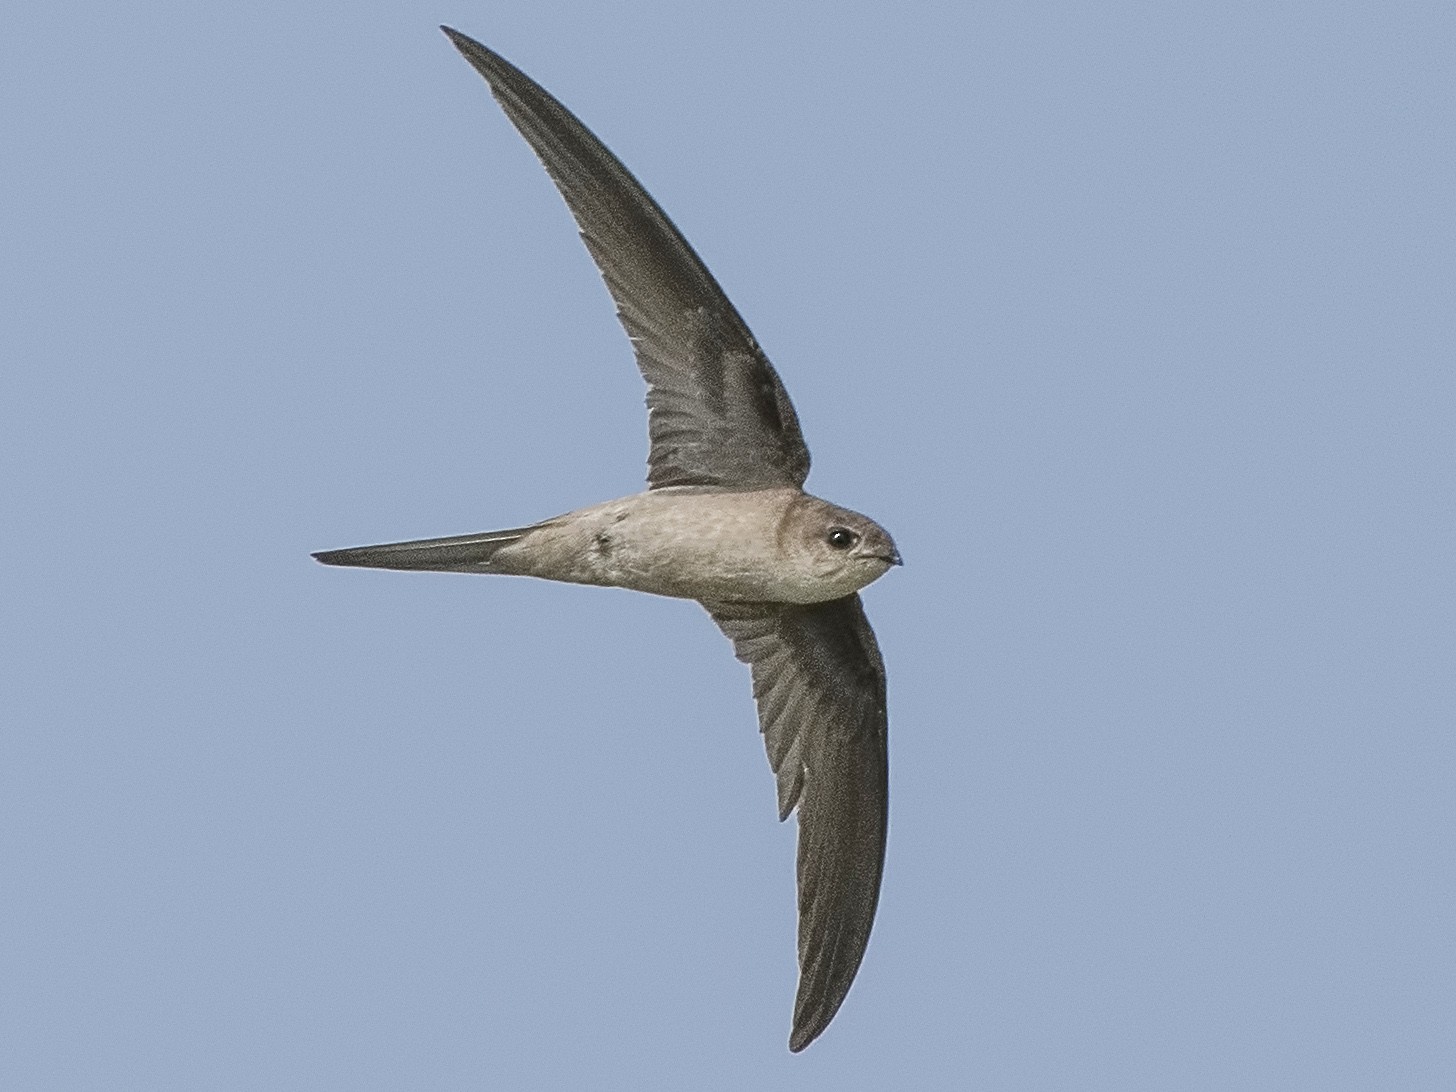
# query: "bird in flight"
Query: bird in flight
725,521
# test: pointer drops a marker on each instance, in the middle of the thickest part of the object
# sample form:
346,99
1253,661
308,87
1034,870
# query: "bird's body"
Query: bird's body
725,521
690,542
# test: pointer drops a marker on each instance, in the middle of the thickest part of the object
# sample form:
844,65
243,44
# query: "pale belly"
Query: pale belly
688,544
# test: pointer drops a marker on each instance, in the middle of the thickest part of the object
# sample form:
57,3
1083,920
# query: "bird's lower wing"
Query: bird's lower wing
819,683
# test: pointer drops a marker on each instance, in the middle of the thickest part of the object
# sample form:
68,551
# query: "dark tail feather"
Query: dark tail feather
461,554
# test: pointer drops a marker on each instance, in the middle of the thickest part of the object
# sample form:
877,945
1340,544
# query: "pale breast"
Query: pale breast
685,543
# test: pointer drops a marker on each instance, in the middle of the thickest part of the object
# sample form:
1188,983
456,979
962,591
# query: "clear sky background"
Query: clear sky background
1134,322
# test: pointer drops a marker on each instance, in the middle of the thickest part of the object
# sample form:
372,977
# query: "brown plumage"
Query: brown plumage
724,521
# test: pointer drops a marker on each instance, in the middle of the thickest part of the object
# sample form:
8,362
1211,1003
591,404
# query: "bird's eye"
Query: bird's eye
841,538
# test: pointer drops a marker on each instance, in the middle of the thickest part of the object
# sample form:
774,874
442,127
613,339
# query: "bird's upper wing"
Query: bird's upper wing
717,413
819,683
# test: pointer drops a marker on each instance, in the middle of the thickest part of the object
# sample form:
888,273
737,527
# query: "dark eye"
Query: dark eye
841,538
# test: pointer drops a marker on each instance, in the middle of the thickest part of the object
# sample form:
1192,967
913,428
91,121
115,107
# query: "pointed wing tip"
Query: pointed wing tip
804,1033
470,49
813,1012
462,42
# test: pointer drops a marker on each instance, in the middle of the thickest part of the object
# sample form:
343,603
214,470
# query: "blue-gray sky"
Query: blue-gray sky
1133,322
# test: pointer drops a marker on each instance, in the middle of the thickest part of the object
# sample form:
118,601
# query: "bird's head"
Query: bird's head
838,551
